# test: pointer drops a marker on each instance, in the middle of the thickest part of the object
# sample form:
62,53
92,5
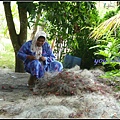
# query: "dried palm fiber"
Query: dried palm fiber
70,82
44,107
87,105
48,111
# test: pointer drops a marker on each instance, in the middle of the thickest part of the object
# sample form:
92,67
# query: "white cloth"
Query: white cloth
34,47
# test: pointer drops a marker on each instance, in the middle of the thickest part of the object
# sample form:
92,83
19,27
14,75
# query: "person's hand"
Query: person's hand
31,57
42,58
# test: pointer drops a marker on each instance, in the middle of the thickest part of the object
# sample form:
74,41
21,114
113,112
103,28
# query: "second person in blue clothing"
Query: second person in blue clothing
38,57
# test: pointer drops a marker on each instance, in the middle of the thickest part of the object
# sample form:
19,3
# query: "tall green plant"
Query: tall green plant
109,48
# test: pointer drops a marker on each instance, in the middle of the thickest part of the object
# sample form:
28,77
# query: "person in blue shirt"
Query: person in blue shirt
38,58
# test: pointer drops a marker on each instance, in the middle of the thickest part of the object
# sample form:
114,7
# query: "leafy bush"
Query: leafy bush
109,49
71,22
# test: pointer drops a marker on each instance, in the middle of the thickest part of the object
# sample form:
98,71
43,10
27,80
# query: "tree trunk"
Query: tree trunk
17,39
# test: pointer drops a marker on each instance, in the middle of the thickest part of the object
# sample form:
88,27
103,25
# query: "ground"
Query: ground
13,87
93,101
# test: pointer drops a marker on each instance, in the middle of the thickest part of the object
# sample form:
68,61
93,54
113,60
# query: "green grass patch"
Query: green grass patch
7,55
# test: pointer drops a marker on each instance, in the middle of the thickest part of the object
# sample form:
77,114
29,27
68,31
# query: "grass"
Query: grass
7,55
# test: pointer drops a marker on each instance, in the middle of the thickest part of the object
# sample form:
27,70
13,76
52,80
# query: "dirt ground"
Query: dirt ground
13,87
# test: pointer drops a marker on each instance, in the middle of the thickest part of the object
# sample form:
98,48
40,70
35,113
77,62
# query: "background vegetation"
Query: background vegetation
77,20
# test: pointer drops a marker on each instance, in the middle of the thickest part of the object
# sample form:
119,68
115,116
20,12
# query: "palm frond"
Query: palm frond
106,27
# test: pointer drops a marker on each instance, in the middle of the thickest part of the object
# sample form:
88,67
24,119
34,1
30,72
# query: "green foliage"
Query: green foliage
109,48
3,26
113,75
109,14
37,8
118,9
7,55
69,23
72,22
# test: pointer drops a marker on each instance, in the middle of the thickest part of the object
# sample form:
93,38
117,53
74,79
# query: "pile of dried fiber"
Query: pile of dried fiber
70,82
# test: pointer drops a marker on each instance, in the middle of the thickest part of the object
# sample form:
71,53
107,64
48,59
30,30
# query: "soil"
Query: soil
13,87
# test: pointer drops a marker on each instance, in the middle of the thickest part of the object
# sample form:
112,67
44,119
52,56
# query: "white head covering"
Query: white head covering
34,47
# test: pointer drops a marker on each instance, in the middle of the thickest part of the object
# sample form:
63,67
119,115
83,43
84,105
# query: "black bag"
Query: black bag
70,61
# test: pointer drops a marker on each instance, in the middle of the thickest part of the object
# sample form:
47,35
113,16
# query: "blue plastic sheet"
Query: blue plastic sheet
70,61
